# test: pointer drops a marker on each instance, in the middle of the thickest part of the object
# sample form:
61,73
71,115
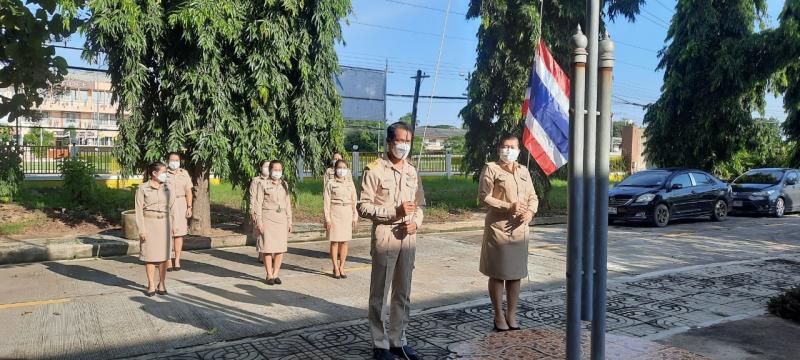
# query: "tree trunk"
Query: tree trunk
200,223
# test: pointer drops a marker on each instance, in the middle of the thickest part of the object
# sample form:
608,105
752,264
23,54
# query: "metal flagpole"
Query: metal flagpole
575,186
601,185
590,124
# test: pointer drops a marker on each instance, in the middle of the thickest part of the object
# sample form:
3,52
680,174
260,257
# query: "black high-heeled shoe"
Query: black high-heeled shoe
150,293
497,329
161,292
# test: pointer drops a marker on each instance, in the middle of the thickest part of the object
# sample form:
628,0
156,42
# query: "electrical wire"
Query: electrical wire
425,7
412,31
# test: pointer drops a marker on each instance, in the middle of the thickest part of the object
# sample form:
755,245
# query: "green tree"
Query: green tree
455,144
764,147
29,62
617,126
717,66
406,119
39,137
228,82
366,140
507,37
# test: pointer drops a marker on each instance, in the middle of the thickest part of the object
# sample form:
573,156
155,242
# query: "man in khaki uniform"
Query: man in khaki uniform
392,197
330,172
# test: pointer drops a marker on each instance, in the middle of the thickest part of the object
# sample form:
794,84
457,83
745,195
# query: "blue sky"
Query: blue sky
406,35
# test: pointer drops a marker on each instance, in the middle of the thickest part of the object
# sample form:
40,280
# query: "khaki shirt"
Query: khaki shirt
179,183
150,200
339,192
499,188
384,188
330,173
274,198
252,192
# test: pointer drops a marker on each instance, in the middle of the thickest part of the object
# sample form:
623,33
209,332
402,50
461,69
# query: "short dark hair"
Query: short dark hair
340,161
153,167
391,131
273,163
262,162
507,137
174,153
337,153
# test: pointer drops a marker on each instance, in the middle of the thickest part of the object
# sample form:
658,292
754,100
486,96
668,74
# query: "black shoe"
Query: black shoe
344,276
405,352
278,281
150,293
270,281
177,268
497,329
382,354
161,292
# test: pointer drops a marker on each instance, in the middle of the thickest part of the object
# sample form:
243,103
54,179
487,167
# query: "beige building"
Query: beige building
82,102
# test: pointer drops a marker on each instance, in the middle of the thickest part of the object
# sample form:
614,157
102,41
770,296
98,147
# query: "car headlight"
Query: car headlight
646,198
763,193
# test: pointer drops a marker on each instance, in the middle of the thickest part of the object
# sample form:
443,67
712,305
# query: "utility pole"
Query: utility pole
418,79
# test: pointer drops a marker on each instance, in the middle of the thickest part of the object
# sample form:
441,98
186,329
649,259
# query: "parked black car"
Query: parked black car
660,195
767,191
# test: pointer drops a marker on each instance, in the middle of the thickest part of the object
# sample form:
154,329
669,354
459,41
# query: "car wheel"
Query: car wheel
780,208
720,211
661,215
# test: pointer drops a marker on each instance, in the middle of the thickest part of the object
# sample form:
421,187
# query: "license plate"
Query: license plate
737,204
612,210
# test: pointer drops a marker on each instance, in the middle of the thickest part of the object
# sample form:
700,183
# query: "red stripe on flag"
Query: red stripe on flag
537,152
552,66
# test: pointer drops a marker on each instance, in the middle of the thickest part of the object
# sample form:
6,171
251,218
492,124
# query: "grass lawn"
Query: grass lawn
448,200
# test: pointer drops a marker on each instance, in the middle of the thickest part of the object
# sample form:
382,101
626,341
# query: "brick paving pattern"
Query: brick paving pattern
639,307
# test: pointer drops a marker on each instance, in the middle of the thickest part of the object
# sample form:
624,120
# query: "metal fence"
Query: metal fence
48,159
429,163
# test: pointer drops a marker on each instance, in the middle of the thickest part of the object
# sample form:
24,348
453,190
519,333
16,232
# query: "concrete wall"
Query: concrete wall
633,146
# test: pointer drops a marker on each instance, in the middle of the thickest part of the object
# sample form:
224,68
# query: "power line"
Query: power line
425,7
658,23
635,46
656,17
429,97
412,31
664,6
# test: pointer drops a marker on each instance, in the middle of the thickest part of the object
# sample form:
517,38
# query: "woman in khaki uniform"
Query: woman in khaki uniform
339,200
152,220
273,209
507,190
179,184
263,175
330,172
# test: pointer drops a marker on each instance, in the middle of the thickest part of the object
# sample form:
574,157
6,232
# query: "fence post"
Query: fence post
356,165
448,163
73,151
301,170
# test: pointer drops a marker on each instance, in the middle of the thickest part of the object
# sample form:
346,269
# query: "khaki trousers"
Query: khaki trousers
392,253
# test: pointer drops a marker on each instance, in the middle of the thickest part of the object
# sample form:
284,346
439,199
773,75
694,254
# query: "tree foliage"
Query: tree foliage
29,63
507,37
717,66
228,82
764,147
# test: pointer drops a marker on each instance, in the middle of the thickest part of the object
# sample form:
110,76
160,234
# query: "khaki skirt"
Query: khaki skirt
180,224
341,223
276,237
504,252
158,246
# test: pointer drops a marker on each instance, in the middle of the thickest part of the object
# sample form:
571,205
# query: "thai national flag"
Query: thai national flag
546,111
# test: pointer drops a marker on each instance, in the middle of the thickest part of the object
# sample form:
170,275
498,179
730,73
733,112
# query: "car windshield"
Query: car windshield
645,179
769,177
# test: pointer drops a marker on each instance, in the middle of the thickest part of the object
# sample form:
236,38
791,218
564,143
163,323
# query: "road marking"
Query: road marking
350,268
34,303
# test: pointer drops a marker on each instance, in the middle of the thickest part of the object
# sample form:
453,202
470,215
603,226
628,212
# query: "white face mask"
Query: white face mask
509,155
162,178
265,171
401,150
342,172
276,175
174,165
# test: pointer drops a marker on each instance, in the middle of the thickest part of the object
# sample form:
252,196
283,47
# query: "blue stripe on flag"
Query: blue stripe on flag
548,113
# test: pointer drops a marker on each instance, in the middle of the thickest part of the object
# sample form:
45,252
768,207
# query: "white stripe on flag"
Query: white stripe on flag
545,142
552,86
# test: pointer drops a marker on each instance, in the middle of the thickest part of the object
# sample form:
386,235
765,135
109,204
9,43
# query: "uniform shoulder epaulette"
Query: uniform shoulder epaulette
374,164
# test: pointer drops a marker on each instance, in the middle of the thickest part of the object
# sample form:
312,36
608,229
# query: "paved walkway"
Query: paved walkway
94,308
650,306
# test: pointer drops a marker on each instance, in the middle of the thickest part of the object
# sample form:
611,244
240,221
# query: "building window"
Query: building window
71,119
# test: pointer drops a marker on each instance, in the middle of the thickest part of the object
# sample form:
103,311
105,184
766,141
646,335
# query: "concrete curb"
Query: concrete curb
95,246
